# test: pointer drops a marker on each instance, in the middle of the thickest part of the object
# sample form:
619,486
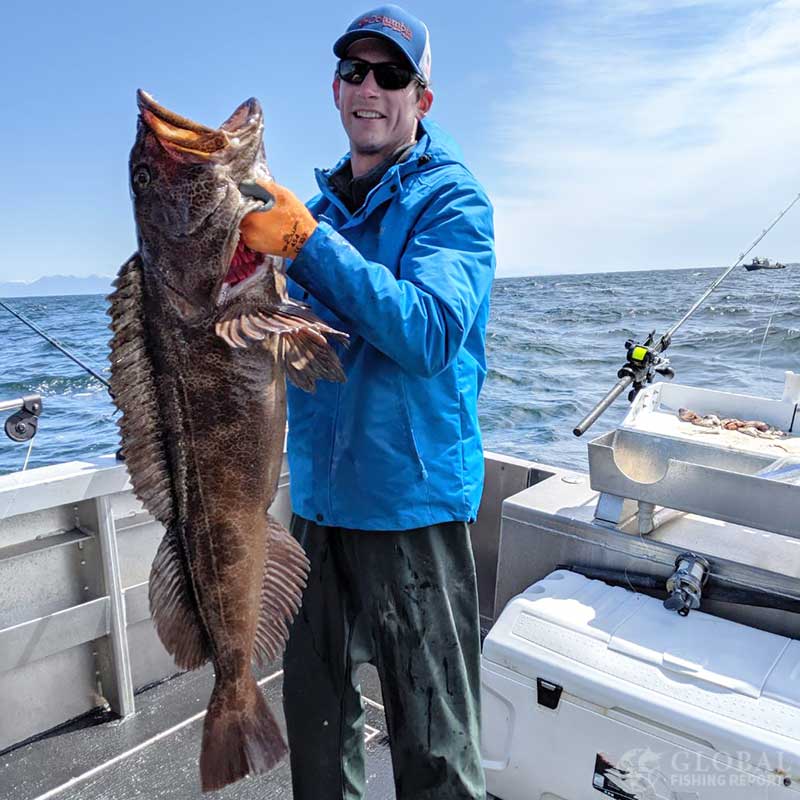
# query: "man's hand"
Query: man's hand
283,229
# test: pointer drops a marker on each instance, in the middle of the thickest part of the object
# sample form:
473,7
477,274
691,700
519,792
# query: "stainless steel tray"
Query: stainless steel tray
696,474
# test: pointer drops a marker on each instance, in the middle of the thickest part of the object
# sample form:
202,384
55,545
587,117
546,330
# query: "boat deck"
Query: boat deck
75,629
154,753
76,637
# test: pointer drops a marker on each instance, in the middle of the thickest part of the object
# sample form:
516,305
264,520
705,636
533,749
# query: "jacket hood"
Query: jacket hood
441,146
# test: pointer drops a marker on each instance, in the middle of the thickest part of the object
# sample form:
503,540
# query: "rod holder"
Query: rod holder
23,424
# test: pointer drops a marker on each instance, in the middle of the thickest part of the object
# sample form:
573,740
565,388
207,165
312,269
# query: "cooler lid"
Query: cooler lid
697,648
783,683
706,648
587,607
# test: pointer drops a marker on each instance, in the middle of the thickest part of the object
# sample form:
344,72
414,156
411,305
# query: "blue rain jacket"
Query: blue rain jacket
408,277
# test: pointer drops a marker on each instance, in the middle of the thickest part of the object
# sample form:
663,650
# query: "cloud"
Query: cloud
647,134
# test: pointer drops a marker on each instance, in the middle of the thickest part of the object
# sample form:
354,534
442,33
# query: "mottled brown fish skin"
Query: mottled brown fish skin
227,452
199,372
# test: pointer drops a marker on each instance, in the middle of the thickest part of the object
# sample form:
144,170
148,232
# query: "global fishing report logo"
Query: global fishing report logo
644,774
634,776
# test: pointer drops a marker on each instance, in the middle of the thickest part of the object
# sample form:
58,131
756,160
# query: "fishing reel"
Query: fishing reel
685,585
22,425
644,362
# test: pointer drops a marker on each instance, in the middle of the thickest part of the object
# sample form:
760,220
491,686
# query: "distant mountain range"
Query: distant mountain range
50,285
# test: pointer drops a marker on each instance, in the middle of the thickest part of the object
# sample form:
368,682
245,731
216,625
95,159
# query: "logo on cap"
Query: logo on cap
387,22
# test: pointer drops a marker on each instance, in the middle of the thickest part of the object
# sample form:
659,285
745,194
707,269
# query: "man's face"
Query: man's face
378,121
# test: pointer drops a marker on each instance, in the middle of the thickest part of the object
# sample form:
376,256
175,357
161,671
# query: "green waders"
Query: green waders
406,602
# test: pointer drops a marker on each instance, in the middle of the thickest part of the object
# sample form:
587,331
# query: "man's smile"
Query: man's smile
366,114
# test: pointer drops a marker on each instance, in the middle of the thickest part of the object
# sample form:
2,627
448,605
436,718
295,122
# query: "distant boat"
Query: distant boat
763,263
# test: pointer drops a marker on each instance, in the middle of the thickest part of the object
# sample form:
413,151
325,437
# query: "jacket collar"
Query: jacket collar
354,191
434,147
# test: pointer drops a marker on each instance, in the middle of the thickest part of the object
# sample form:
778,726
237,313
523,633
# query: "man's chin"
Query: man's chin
367,148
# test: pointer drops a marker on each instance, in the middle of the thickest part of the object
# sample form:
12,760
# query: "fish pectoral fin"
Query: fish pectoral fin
307,360
305,349
303,341
285,573
173,606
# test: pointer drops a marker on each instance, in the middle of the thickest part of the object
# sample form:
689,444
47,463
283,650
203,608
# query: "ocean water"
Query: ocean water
554,346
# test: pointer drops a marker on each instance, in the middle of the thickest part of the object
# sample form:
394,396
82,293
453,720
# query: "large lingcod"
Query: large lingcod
204,335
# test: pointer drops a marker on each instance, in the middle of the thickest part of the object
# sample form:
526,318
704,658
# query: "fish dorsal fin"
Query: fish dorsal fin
134,390
173,606
285,572
303,341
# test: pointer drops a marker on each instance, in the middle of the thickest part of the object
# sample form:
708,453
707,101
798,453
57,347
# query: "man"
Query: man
387,468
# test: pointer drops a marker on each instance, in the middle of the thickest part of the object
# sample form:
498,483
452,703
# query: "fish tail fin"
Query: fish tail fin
240,735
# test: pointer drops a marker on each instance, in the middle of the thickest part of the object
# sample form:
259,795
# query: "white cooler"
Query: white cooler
590,690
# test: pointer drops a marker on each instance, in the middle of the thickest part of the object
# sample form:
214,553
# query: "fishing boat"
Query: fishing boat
638,620
763,263
590,685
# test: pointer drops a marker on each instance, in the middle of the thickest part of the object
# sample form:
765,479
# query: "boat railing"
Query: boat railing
76,548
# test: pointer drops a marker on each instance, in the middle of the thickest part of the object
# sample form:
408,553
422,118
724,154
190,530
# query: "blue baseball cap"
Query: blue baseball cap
396,26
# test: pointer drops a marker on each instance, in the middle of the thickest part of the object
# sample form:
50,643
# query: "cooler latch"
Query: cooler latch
548,694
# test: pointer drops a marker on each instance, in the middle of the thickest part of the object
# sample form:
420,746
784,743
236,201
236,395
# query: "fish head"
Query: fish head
184,180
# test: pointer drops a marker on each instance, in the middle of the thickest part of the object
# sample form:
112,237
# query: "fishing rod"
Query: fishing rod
645,361
57,345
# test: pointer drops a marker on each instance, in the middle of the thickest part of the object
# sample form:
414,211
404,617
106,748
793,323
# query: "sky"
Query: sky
609,134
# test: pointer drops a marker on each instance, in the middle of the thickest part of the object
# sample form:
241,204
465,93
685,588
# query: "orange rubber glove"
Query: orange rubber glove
283,228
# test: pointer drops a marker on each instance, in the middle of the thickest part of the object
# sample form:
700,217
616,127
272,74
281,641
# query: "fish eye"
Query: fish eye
141,178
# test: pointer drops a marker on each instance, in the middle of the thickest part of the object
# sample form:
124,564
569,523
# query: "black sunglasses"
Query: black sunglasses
387,75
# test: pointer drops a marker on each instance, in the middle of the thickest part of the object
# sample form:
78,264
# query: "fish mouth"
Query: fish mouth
246,267
191,141
185,137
